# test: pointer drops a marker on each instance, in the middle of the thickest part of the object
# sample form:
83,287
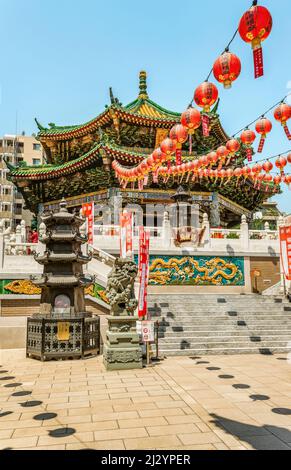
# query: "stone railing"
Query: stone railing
242,239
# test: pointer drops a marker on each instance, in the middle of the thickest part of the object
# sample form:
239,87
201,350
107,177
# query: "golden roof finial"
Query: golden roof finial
143,85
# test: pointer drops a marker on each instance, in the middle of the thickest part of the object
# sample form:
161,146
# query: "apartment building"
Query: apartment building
17,150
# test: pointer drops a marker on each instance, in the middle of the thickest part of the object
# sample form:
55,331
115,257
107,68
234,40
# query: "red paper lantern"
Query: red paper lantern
263,127
204,161
248,137
191,119
179,134
222,152
277,179
268,166
229,173
206,95
227,68
289,158
233,146
168,146
158,156
238,172
254,27
246,171
280,163
212,158
282,113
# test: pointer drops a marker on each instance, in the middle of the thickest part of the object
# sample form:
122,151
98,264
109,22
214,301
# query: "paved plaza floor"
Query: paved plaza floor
214,402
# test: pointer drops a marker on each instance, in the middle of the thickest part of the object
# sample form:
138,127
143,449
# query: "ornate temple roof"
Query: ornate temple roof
142,111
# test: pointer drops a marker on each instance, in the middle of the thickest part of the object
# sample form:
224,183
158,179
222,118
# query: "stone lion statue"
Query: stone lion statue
120,287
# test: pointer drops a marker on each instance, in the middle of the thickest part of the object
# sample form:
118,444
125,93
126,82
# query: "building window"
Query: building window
6,207
36,147
36,161
6,190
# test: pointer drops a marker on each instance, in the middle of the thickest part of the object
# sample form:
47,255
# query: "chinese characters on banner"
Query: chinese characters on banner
285,248
88,212
143,264
126,234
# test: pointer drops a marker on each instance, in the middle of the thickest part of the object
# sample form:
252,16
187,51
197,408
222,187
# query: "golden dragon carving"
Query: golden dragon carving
213,271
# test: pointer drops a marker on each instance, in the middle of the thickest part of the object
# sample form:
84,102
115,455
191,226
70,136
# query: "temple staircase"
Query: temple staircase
221,324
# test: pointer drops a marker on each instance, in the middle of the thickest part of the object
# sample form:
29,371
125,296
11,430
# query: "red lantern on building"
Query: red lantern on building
268,166
233,146
227,68
263,127
191,119
277,179
206,95
248,137
212,158
254,27
168,147
179,134
222,153
280,163
282,114
268,179
158,156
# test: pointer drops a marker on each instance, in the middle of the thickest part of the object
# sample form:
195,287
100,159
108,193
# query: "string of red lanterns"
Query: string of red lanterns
254,27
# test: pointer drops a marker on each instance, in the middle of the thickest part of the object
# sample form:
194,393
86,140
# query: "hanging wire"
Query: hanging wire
248,125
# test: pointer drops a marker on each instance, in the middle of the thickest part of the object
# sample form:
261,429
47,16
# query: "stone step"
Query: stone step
216,301
218,320
224,324
217,344
227,333
201,313
226,339
224,351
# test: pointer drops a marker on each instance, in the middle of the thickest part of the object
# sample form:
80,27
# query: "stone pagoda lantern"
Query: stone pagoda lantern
62,328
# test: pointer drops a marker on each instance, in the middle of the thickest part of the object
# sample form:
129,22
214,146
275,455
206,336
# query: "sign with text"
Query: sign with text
88,212
285,248
148,331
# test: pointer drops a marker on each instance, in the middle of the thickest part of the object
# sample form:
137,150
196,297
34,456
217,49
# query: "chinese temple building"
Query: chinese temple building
79,162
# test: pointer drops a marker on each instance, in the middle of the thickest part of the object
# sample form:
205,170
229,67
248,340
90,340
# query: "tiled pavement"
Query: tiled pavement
218,402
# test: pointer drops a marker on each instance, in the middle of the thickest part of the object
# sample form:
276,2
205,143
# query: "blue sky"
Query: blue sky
59,58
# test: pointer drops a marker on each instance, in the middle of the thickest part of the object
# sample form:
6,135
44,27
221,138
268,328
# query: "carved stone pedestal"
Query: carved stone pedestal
122,350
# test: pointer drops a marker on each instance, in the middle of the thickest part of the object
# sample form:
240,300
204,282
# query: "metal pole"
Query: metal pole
148,352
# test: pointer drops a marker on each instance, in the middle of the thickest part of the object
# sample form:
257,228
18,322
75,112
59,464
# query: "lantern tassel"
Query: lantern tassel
258,62
190,144
261,144
188,177
287,132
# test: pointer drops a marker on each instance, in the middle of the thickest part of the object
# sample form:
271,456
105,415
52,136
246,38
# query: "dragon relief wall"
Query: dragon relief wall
196,271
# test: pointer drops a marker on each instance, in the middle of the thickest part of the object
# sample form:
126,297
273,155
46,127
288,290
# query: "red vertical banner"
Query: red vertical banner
258,62
287,132
285,249
179,157
144,272
126,235
88,212
205,125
